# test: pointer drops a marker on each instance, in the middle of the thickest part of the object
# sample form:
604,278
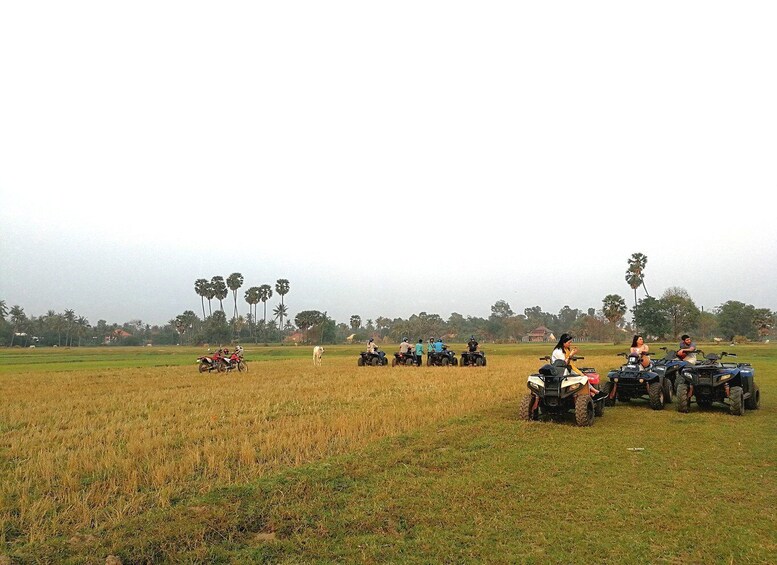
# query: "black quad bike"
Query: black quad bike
404,359
712,380
633,380
375,359
442,358
473,359
555,393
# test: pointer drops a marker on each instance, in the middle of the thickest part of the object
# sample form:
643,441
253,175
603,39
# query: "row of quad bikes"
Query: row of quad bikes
710,381
443,358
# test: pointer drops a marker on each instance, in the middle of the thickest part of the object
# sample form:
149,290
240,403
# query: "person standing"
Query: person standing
419,352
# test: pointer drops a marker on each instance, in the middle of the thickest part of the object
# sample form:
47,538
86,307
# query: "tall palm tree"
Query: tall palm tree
282,288
265,293
234,282
220,290
356,322
201,288
82,324
635,274
3,310
70,318
252,297
210,294
18,319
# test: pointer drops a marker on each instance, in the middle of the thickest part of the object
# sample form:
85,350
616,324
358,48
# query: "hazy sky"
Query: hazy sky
386,158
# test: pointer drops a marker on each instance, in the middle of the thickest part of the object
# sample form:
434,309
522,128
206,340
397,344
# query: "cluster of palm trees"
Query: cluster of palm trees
218,287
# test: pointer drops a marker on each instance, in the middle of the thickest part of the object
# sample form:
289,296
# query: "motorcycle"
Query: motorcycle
209,364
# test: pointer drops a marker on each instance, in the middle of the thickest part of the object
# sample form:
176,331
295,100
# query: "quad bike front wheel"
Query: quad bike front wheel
584,410
683,401
737,404
525,411
656,394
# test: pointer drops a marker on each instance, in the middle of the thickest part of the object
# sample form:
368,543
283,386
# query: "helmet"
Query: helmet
371,340
404,339
472,337
439,339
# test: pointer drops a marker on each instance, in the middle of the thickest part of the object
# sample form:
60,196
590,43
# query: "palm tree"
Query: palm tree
252,297
3,310
234,282
220,290
356,322
282,288
82,324
280,311
201,288
210,294
18,319
635,275
265,293
70,318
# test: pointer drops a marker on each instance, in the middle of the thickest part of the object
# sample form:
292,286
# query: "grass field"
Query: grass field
133,453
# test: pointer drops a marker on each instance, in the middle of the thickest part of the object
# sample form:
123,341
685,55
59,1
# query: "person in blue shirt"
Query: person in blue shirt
438,345
419,351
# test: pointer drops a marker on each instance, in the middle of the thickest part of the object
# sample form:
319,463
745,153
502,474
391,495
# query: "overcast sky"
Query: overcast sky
386,158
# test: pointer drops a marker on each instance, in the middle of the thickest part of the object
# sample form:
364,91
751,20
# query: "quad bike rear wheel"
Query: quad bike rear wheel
584,410
754,402
375,361
667,386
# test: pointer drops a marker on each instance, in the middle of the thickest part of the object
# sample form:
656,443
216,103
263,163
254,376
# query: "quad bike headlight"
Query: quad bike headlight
574,387
534,386
725,377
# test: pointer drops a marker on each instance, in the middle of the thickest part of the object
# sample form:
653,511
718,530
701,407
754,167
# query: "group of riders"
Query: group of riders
566,352
224,356
416,351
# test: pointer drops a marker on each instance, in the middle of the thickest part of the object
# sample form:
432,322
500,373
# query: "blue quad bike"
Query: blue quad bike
713,380
633,380
670,366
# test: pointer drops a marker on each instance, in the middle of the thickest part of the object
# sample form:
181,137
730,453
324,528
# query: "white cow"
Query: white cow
318,351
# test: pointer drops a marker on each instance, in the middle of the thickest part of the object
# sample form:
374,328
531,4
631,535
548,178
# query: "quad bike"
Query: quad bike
473,359
712,380
208,364
555,390
441,358
669,366
404,359
375,359
633,380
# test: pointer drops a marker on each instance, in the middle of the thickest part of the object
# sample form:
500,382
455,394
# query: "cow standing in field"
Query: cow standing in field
318,352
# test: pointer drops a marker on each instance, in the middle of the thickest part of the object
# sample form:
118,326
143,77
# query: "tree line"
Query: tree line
666,317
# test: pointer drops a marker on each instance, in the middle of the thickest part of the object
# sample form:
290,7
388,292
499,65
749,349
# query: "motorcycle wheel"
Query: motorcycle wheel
203,368
241,366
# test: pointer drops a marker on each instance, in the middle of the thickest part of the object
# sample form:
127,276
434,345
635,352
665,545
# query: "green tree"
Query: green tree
234,282
737,318
3,310
763,320
635,274
680,309
217,329
70,319
279,313
651,317
201,288
309,319
356,322
282,288
501,309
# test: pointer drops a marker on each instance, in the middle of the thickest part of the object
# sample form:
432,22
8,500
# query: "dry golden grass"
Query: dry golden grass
86,449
